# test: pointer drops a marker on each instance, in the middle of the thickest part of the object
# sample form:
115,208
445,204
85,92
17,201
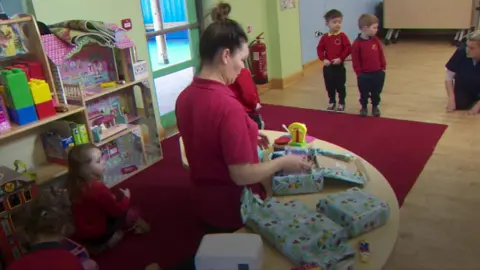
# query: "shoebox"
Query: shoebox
354,209
298,232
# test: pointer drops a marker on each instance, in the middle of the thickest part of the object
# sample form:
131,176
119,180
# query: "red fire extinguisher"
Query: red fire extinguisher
258,58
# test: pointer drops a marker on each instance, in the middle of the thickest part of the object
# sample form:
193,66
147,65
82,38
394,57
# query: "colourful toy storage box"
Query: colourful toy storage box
297,231
356,210
303,183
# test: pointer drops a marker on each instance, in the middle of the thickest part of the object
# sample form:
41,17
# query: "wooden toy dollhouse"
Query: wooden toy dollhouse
15,191
103,80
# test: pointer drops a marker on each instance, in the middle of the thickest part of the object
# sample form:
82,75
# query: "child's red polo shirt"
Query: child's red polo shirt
216,133
47,256
246,91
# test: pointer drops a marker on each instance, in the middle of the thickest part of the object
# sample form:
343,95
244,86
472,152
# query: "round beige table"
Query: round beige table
382,240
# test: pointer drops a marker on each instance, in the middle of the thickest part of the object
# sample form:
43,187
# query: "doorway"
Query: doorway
172,33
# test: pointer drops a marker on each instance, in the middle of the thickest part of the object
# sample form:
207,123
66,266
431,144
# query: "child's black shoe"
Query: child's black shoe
363,112
331,107
376,111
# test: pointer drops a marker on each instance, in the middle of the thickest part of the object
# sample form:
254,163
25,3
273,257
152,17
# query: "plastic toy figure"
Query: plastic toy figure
298,133
364,248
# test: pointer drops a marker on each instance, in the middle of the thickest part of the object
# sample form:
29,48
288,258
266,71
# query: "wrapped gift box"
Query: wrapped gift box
356,210
298,232
310,181
344,167
297,184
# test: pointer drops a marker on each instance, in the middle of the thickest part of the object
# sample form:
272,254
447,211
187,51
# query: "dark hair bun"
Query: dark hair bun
220,12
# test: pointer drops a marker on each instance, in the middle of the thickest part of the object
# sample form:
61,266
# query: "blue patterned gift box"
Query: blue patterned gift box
302,183
297,183
356,210
297,231
338,171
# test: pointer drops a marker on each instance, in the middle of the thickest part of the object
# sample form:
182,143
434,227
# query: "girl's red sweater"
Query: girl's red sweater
246,91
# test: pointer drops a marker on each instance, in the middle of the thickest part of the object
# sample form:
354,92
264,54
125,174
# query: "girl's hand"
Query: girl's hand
126,192
263,141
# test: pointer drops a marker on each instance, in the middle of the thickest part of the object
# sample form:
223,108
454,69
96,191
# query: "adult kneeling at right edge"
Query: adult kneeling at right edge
463,77
220,139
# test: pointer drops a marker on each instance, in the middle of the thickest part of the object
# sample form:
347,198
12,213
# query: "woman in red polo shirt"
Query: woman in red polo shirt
219,138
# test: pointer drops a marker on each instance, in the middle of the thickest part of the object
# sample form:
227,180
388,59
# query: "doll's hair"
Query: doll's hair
79,175
47,215
332,14
367,20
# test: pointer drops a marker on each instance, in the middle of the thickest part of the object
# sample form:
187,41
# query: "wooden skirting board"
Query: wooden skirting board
282,83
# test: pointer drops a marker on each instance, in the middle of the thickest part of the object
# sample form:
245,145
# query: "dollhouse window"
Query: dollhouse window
14,200
27,194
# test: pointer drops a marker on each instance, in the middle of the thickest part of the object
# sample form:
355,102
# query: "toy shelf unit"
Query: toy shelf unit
28,98
27,92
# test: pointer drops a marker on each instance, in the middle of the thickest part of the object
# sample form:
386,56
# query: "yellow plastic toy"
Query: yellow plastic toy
21,167
108,84
298,134
40,91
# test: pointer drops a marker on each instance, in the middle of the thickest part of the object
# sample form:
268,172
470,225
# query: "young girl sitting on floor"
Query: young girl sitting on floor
42,224
100,216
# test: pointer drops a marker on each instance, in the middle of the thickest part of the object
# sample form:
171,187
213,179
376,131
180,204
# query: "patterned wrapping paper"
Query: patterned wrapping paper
356,210
302,183
297,183
345,167
299,233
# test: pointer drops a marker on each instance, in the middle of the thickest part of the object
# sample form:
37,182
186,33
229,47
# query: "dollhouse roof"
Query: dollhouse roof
57,50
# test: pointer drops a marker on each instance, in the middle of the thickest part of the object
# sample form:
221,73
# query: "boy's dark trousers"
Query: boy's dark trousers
370,86
335,78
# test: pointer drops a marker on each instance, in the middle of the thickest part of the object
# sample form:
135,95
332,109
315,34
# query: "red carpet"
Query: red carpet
398,149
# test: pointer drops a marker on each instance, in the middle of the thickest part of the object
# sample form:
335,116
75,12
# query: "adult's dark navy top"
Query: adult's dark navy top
467,71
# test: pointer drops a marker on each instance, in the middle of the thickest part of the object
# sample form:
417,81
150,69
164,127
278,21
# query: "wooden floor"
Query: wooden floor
440,218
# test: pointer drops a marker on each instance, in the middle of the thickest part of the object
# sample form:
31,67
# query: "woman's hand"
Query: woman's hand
295,164
451,105
267,186
475,109
126,192
263,141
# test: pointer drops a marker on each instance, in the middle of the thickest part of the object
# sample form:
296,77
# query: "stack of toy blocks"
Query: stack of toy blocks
42,98
34,68
20,107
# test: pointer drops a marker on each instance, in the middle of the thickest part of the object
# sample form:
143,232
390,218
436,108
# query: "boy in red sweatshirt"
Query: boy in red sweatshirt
333,48
369,64
246,92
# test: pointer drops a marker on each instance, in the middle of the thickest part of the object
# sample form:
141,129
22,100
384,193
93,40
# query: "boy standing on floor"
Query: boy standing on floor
333,48
369,64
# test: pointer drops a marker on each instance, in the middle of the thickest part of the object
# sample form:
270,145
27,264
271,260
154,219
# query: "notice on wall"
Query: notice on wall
287,4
